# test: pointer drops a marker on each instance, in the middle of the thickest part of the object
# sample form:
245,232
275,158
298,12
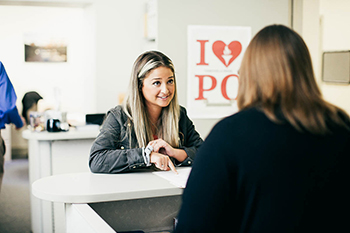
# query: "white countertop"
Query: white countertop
71,134
89,187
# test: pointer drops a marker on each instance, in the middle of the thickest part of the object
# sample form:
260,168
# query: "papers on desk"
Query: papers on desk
178,180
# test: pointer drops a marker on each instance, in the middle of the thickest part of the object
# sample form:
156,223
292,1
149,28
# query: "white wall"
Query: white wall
73,77
311,33
105,37
175,16
324,25
336,36
119,40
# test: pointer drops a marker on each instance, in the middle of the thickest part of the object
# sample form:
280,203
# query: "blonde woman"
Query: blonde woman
150,129
284,157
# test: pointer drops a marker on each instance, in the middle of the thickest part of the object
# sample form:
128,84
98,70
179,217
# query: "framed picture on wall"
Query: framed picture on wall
336,66
44,48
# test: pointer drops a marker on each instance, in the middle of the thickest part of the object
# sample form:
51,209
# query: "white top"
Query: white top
89,187
71,134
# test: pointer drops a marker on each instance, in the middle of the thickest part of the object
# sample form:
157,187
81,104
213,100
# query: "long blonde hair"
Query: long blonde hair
134,102
276,73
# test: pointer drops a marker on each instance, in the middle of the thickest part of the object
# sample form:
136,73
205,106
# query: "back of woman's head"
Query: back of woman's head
276,75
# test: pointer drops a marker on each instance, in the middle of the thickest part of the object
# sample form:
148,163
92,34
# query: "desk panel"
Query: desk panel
148,214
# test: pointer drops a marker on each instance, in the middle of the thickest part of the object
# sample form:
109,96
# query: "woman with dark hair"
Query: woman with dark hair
283,158
150,129
29,102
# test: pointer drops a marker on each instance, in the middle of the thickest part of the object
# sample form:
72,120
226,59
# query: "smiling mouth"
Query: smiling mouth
163,97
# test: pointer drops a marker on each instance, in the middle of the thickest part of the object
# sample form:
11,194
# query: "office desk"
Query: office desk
129,201
51,154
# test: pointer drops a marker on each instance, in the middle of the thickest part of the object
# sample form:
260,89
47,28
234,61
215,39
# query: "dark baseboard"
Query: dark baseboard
19,153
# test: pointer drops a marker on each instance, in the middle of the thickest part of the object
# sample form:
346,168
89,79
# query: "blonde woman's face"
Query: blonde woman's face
158,88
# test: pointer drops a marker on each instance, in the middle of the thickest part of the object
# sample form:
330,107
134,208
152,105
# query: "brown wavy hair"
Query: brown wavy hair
276,75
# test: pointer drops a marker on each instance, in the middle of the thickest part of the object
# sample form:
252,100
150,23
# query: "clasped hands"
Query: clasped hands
160,155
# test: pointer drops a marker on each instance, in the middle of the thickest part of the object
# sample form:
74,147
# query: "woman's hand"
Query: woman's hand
159,144
162,161
163,147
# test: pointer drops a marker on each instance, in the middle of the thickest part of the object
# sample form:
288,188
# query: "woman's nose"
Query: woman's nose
165,89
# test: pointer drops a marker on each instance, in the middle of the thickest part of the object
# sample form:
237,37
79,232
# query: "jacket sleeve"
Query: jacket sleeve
191,141
8,110
15,118
109,152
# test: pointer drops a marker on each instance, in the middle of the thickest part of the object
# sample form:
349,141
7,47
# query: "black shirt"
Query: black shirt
268,177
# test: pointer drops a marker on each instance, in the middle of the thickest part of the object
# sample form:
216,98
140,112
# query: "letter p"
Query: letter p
201,86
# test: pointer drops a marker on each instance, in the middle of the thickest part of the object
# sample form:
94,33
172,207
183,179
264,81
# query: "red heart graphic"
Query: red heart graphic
230,53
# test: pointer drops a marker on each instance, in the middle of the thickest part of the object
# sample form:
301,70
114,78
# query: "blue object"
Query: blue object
8,110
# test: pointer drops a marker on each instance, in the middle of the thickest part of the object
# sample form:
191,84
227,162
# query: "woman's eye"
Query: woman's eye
157,83
171,81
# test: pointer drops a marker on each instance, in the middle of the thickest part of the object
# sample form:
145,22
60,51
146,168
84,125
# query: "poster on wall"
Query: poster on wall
214,57
44,48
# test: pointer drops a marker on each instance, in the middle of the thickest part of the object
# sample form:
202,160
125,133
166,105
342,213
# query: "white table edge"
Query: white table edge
50,136
166,189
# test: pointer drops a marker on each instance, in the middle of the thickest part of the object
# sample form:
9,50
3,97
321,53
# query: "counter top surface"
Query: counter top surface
71,134
89,187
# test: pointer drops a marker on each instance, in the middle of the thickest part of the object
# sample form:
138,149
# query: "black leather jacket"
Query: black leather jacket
111,153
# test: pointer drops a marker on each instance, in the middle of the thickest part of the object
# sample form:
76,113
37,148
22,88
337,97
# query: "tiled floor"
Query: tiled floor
14,198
